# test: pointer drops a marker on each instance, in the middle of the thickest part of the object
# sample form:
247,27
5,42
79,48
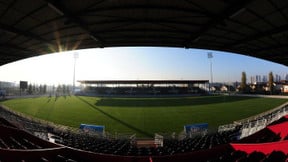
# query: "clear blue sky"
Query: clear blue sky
137,63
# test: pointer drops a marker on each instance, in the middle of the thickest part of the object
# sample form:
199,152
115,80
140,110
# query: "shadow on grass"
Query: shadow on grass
162,102
147,134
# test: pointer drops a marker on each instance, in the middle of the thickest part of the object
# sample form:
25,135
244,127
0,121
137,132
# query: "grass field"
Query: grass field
143,116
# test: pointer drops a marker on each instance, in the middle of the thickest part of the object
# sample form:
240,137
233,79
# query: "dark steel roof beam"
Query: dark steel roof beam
218,19
259,35
277,46
93,5
44,23
237,32
145,7
29,14
20,32
146,21
59,8
129,21
278,9
142,30
8,8
198,6
138,37
260,17
5,45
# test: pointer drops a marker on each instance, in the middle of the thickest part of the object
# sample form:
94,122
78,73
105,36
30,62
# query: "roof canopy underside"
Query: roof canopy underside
257,28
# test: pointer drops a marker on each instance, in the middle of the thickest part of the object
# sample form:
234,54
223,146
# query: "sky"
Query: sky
137,63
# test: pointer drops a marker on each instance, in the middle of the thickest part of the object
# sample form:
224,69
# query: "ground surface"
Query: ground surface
143,116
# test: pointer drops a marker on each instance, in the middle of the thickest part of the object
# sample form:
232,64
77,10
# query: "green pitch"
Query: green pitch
143,116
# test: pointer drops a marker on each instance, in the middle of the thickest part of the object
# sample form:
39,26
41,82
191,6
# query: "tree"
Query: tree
243,85
59,89
40,89
44,89
63,89
271,82
33,88
30,89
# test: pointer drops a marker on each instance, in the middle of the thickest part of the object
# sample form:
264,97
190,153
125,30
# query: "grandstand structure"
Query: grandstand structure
143,87
256,28
24,139
256,123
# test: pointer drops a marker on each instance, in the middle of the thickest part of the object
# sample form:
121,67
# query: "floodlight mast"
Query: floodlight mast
75,58
210,56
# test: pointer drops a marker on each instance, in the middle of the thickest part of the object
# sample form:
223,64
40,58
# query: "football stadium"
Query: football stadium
175,120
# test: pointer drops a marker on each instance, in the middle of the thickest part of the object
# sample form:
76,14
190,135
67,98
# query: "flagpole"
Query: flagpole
75,57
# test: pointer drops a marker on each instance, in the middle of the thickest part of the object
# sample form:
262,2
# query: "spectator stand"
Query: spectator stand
258,122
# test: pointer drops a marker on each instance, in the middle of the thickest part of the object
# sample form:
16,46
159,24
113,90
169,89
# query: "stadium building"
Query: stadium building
144,87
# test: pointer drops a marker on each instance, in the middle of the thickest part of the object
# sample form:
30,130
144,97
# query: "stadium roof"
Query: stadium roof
257,28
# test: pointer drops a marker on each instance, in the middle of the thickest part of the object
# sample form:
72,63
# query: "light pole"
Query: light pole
210,56
75,58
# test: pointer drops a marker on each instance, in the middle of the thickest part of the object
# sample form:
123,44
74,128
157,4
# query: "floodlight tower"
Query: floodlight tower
210,56
75,58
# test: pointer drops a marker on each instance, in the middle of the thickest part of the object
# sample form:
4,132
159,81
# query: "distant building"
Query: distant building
258,78
285,88
215,88
4,85
5,88
259,87
277,78
264,78
227,88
